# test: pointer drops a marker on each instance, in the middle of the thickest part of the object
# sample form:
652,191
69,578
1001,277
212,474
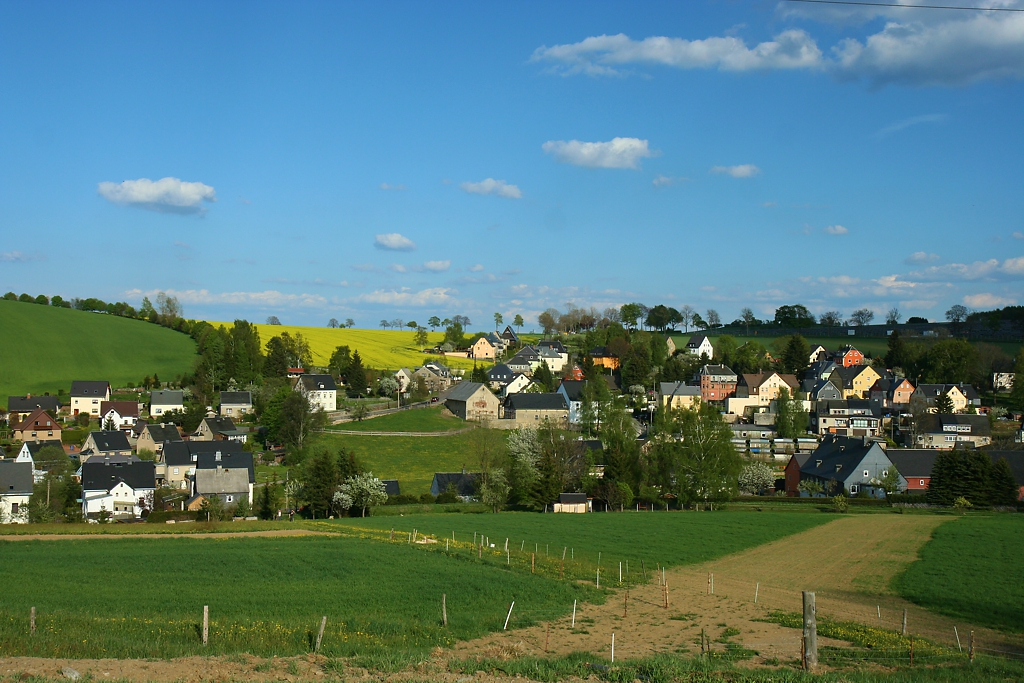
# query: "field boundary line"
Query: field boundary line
279,533
353,432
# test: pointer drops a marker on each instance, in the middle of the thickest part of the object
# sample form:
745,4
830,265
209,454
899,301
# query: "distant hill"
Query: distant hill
43,348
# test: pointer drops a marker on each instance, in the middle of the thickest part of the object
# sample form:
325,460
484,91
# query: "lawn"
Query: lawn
381,349
45,348
412,460
669,538
972,569
265,595
415,420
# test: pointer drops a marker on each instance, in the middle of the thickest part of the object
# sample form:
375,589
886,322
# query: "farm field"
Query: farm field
410,459
971,569
381,349
266,595
415,420
45,348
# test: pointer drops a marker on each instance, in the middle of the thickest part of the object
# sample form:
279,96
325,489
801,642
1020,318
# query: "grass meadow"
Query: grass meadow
972,568
144,597
872,346
416,420
45,348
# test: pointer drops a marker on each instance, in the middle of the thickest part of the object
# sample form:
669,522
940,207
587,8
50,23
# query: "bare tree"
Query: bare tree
893,316
713,319
862,316
831,319
686,316
748,318
397,323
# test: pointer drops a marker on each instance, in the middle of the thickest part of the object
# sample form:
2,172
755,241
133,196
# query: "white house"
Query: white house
15,490
518,383
28,453
319,390
572,390
86,397
166,400
235,403
124,489
405,380
119,414
700,345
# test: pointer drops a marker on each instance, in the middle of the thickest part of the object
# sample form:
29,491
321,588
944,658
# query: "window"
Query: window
14,508
866,473
231,499
854,488
950,438
175,470
921,483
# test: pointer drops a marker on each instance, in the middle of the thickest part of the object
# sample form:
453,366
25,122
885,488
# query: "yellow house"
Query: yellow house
484,349
864,380
676,395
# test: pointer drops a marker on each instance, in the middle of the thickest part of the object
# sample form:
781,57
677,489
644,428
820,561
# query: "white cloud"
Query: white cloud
1018,235
741,171
769,205
398,268
920,257
836,230
18,257
365,267
393,241
405,297
271,298
616,153
491,186
437,266
477,268
601,55
385,186
167,195
988,301
992,269
666,181
907,123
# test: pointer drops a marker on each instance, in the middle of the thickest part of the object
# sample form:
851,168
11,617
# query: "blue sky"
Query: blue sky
369,161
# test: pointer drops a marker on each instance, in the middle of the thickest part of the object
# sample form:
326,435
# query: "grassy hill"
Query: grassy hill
383,349
45,348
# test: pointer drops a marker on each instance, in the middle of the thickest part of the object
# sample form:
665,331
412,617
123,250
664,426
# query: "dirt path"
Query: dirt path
183,534
848,563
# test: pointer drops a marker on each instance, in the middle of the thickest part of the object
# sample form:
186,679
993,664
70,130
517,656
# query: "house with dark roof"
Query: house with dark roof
848,356
893,393
499,375
30,453
20,407
573,503
86,396
604,358
947,431
152,437
962,396
119,414
15,491
436,376
38,426
914,465
235,403
677,395
124,489
823,389
223,462
391,487
227,484
165,401
520,382
700,345
319,390
472,401
818,353
487,347
853,417
463,483
180,459
717,382
99,444
510,336
219,429
841,464
572,391
532,410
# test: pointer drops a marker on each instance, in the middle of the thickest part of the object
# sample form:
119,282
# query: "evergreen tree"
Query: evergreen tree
944,404
348,466
264,505
542,376
1017,392
1003,489
795,355
277,361
979,477
355,378
896,356
320,482
479,374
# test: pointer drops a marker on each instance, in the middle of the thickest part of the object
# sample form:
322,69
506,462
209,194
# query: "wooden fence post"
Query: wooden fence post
970,647
756,589
533,562
810,631
206,624
573,614
320,635
613,648
32,621
444,609
904,622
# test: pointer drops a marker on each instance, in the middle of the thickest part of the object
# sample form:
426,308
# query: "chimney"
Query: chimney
217,456
106,459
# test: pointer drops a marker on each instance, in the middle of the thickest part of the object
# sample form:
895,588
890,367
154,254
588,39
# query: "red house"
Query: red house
914,465
849,356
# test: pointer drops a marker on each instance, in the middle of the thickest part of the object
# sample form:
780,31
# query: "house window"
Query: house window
950,438
14,508
175,470
921,483
866,473
231,499
854,488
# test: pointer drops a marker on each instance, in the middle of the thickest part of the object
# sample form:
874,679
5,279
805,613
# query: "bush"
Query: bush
427,499
403,499
840,504
160,517
907,498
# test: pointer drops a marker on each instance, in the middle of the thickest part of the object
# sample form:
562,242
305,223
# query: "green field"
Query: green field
412,460
265,595
381,349
416,420
45,348
870,346
972,569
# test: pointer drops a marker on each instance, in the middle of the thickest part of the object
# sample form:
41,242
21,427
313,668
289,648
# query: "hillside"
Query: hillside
383,349
44,348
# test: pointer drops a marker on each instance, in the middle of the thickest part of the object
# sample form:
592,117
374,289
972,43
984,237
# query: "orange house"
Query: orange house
603,358
849,356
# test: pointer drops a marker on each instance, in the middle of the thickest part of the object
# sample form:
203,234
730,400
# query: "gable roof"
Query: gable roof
35,446
536,402
318,383
465,482
163,432
572,498
978,423
510,334
166,397
553,344
123,408
37,419
236,398
220,425
464,390
88,389
678,389
837,457
717,370
179,453
219,481
15,478
26,404
572,388
113,440
103,475
867,406
210,460
913,462
498,372
696,340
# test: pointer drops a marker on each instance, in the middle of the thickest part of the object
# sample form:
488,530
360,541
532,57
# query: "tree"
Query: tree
454,334
355,376
862,316
957,314
944,404
891,481
951,361
243,509
495,491
387,386
756,477
434,323
686,314
298,420
831,319
168,307
523,449
265,503
350,323
708,464
791,419
548,320
795,355
518,322
747,316
893,316
795,315
320,481
497,320
629,314
542,376
1004,490
340,361
384,324
333,323
273,320
412,324
359,412
365,490
420,338
896,356
1017,389
277,362
713,319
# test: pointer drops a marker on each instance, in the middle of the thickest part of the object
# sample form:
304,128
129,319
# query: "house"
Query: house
124,489
228,484
893,393
235,403
700,345
574,503
961,395
165,400
534,409
464,484
572,391
219,429
763,388
30,453
849,356
817,355
556,361
472,401
437,377
518,384
20,407
522,363
499,375
604,358
391,487
857,380
119,414
215,468
824,390
574,373
915,467
820,370
86,396
180,459
319,390
947,430
154,436
557,347
38,426
676,395
850,417
485,348
405,380
15,491
1001,381
510,336
840,461
107,442
717,382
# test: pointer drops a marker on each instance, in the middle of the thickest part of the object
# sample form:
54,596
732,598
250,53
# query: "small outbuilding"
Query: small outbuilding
576,503
472,401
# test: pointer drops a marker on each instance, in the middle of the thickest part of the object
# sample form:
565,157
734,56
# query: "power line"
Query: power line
896,4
